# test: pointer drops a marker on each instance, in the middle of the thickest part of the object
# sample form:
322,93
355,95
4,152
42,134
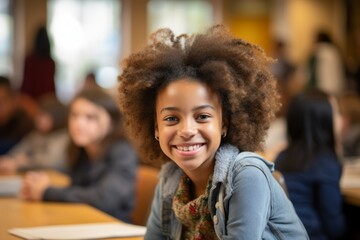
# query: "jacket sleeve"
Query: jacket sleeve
114,186
153,226
249,204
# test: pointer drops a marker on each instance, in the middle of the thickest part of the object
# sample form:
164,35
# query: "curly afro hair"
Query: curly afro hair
237,70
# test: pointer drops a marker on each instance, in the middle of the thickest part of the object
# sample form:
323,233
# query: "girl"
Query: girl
102,163
310,164
202,104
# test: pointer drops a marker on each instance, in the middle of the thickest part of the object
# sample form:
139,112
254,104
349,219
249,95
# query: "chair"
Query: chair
281,180
147,179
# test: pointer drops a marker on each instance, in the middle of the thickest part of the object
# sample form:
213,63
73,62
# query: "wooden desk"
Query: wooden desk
350,182
17,213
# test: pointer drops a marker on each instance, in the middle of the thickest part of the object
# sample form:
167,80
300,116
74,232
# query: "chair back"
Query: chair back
147,178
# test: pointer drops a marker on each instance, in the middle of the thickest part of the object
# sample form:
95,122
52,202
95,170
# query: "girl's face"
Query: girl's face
189,124
88,123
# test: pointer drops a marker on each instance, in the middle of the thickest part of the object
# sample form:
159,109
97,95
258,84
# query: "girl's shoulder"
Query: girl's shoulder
253,159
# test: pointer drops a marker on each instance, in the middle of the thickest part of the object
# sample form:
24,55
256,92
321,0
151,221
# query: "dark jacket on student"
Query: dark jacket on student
316,196
108,184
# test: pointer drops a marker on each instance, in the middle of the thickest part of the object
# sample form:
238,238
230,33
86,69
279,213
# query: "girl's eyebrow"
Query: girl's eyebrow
194,109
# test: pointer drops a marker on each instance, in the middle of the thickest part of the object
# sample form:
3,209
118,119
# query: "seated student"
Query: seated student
203,104
311,166
15,123
45,146
103,165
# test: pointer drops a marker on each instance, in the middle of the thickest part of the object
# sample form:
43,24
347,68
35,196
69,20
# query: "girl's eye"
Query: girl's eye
91,117
171,119
203,117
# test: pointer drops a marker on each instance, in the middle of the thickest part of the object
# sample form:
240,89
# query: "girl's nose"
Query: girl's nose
187,129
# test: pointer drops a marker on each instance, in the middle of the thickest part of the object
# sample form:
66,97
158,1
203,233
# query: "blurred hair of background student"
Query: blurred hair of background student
103,164
39,67
350,109
45,146
326,66
90,81
310,163
15,123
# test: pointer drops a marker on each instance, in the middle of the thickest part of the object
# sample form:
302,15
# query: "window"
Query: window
180,16
6,35
86,38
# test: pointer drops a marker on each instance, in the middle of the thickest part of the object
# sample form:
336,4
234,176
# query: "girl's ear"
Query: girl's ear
224,128
156,132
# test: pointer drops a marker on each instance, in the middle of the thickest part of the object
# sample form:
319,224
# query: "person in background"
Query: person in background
202,104
326,66
284,71
350,137
311,166
90,81
39,68
102,163
45,146
15,122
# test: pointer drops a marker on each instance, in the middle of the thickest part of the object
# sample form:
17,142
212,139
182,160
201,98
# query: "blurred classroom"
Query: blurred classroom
90,38
94,35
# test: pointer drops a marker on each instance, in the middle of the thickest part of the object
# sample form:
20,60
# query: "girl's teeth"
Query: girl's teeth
188,148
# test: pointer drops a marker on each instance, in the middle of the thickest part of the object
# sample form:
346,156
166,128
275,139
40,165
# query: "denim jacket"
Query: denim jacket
246,202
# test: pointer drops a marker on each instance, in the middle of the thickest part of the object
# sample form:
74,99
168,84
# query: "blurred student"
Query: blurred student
350,109
326,66
284,70
39,68
103,165
15,123
90,81
45,146
311,166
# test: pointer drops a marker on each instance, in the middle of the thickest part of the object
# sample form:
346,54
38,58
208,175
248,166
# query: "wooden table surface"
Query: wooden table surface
17,213
350,182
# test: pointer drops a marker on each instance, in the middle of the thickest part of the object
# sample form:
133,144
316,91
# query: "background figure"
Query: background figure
311,166
283,70
39,68
15,123
102,164
350,109
327,67
45,146
90,81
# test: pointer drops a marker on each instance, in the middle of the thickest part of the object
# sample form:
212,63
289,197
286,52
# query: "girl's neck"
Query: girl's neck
200,179
92,151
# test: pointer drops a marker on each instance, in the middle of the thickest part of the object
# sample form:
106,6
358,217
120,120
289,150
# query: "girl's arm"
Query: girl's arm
329,199
248,211
153,226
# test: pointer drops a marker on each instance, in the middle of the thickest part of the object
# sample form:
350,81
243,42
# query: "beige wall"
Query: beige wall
305,17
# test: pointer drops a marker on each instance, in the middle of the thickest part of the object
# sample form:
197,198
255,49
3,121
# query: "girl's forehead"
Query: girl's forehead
186,93
186,83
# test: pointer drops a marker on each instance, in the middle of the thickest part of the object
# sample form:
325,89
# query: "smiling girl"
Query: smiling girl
202,105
